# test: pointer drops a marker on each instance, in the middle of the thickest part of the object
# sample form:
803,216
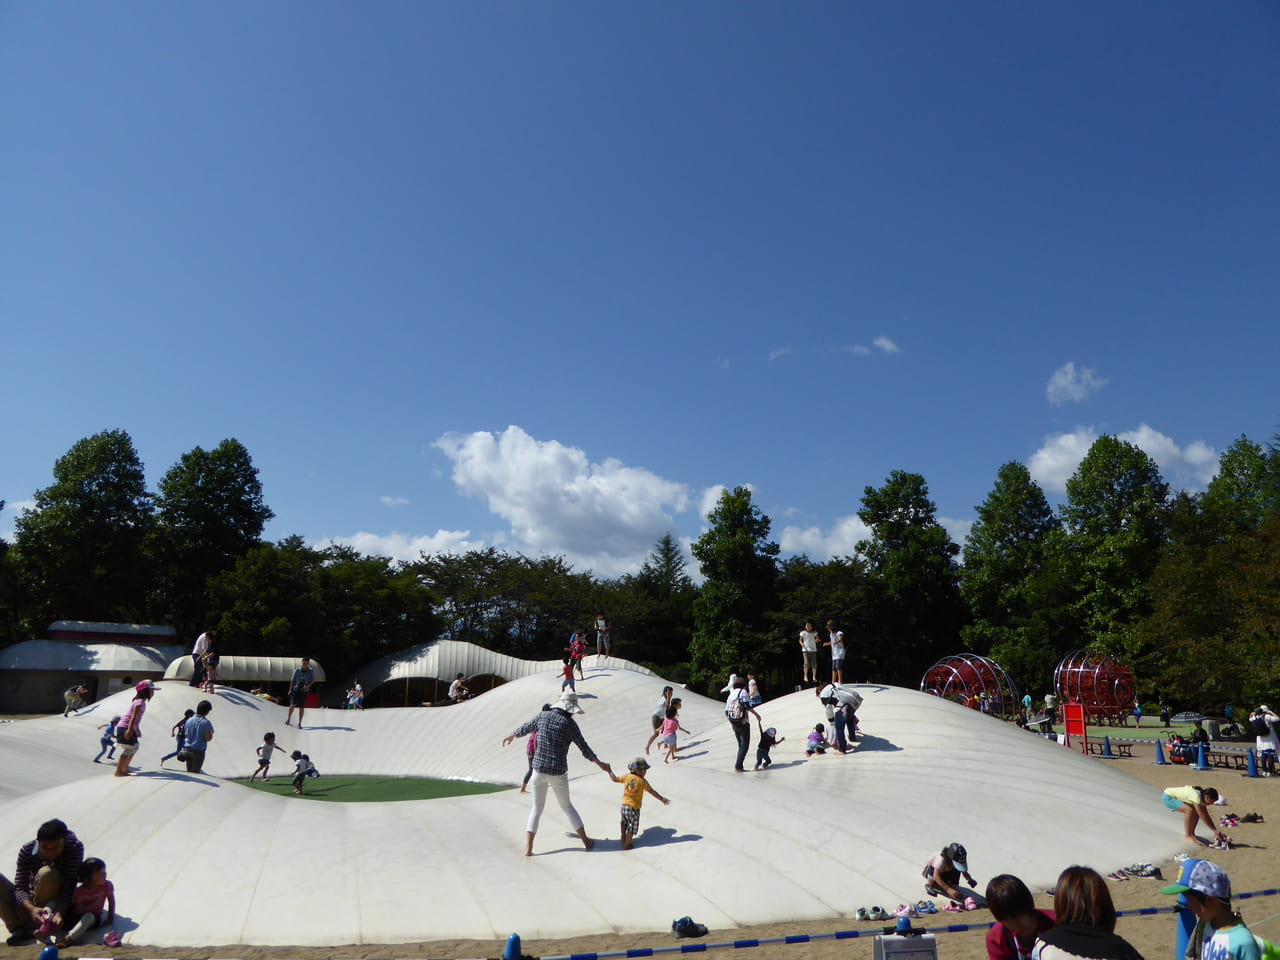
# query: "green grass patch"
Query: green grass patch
373,789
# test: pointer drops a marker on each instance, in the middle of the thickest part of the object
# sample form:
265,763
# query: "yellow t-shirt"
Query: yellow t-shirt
1187,794
633,787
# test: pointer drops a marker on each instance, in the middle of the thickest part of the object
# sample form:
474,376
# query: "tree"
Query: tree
738,563
1244,490
655,608
1115,520
10,605
840,589
1004,577
210,512
80,552
913,558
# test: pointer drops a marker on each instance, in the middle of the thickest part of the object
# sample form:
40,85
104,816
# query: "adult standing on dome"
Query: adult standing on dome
556,730
809,651
202,646
737,707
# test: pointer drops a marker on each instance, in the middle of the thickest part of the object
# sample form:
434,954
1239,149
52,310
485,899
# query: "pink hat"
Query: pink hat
142,685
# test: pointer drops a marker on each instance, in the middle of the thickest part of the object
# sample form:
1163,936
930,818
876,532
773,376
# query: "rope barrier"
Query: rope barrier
815,937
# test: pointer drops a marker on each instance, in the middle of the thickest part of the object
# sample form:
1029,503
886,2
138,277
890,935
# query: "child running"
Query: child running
669,727
264,756
768,740
816,742
87,900
107,740
634,786
177,731
567,674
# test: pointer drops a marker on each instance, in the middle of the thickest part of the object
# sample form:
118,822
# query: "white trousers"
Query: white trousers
559,782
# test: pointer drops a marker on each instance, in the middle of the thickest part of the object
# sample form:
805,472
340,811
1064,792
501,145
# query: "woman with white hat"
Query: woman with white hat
556,731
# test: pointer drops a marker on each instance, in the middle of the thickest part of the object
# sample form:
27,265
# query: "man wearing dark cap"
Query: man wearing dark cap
942,873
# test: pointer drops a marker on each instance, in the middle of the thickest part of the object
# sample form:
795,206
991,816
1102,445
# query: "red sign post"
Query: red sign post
1073,718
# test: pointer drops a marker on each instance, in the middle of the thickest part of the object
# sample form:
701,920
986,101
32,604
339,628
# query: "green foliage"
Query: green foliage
1116,518
1005,573
913,559
80,552
840,589
335,605
652,612
210,512
730,632
1247,486
1213,634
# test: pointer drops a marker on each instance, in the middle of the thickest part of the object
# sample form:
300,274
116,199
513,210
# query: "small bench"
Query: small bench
1118,749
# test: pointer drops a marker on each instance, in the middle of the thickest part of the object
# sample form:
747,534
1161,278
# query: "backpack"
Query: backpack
1260,726
737,709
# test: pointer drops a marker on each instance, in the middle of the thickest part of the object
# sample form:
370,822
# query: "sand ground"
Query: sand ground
1252,865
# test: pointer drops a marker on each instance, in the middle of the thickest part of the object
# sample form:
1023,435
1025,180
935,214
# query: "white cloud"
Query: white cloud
1191,466
722,363
859,350
394,501
957,528
1071,385
558,501
407,547
840,541
778,353
885,344
710,497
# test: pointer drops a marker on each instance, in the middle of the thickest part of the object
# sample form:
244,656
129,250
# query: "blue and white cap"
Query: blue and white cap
1206,878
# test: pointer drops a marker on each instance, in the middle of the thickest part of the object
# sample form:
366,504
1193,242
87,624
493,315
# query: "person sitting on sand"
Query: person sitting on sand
1192,803
1018,921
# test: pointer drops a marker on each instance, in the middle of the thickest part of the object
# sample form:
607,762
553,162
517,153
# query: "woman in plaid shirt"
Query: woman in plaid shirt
556,731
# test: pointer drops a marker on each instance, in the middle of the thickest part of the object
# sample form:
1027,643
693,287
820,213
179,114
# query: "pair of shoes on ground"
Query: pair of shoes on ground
906,910
1223,844
1252,818
686,927
1230,820
952,907
875,913
925,907
1118,875
1141,870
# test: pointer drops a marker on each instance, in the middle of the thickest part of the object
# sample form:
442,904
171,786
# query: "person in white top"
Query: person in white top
203,644
809,649
1263,722
836,643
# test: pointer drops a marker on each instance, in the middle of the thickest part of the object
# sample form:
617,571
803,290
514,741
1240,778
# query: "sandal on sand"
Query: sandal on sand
952,907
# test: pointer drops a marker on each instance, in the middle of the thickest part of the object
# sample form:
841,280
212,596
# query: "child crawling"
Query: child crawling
634,787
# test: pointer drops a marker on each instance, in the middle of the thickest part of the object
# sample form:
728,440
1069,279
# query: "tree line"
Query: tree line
1184,587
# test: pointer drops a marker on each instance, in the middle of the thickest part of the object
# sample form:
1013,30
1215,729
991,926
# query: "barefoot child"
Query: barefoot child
634,786
88,899
107,740
1192,803
669,727
303,768
816,742
264,755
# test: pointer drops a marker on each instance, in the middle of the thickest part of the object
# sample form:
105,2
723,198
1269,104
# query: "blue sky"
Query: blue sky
546,275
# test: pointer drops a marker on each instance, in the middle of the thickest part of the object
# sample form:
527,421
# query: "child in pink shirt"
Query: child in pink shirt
87,902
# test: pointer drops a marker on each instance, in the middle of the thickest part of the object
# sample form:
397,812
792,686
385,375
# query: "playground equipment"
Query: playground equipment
1098,682
974,681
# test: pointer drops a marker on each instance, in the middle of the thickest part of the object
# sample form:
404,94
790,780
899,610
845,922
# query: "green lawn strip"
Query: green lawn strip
373,789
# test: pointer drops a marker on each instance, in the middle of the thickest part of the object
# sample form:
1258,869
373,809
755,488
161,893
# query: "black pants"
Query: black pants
741,730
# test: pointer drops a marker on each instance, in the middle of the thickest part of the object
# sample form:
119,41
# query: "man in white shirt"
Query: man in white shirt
809,650
203,644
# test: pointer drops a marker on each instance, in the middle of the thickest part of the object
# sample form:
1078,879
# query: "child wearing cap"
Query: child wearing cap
1220,933
942,875
634,786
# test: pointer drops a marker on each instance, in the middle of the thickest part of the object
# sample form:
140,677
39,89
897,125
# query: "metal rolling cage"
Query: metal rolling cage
1098,681
974,681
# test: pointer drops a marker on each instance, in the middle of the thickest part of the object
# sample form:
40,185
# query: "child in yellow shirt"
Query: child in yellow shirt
634,786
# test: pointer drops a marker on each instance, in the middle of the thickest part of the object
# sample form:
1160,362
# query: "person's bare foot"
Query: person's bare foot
118,774
523,790
626,844
588,843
